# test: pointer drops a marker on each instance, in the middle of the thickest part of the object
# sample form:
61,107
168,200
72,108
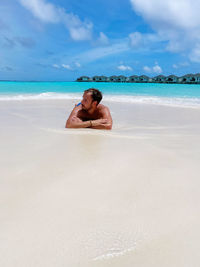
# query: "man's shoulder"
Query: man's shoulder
102,107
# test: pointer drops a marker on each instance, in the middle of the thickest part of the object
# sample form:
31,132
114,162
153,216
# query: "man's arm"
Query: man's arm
75,122
104,123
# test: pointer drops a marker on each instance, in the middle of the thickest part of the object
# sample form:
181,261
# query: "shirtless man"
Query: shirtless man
90,114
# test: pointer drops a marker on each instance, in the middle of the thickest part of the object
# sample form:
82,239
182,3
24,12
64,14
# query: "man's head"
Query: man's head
91,98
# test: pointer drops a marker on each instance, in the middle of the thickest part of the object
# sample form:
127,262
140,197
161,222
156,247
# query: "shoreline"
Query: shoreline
179,102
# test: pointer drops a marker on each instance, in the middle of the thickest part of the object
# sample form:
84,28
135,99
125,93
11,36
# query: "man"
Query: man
90,114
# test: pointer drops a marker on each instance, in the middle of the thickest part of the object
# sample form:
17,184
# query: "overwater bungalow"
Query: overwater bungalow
143,79
104,79
192,78
122,79
197,78
100,79
159,79
113,78
188,78
84,79
133,79
172,79
96,79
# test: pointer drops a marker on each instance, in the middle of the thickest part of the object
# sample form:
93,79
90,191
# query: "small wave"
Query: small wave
155,100
41,96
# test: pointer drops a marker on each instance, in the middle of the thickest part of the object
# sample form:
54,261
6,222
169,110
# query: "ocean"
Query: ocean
183,95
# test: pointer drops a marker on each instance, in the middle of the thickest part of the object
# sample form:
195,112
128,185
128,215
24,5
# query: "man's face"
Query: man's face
87,101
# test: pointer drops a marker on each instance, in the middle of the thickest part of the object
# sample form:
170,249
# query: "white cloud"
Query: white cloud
144,40
124,68
77,64
176,21
136,39
184,64
103,39
71,66
154,69
56,66
41,9
175,66
180,14
180,65
101,52
78,30
49,13
67,66
195,54
157,69
147,69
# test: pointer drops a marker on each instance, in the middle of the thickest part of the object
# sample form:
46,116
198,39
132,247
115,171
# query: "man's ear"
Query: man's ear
95,103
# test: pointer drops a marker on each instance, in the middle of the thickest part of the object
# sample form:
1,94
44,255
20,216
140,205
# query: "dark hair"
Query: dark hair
95,93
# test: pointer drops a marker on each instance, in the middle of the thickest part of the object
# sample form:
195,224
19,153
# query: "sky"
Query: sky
61,40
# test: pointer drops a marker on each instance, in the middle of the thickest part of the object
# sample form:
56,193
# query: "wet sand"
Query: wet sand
126,197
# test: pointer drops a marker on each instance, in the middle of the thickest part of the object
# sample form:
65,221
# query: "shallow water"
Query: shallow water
160,94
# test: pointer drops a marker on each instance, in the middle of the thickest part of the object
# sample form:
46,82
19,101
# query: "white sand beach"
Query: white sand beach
121,198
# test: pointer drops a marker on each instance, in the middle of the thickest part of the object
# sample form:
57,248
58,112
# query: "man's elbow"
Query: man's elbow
109,127
68,125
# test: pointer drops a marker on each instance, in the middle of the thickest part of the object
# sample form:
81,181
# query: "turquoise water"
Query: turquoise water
165,90
183,94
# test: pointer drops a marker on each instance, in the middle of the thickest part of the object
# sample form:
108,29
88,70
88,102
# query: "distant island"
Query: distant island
186,79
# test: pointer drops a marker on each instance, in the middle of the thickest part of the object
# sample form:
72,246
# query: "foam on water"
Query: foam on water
134,99
169,101
41,96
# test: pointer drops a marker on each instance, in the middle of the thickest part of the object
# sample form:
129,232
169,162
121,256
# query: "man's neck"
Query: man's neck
92,110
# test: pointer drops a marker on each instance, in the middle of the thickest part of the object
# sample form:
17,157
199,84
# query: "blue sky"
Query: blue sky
61,40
